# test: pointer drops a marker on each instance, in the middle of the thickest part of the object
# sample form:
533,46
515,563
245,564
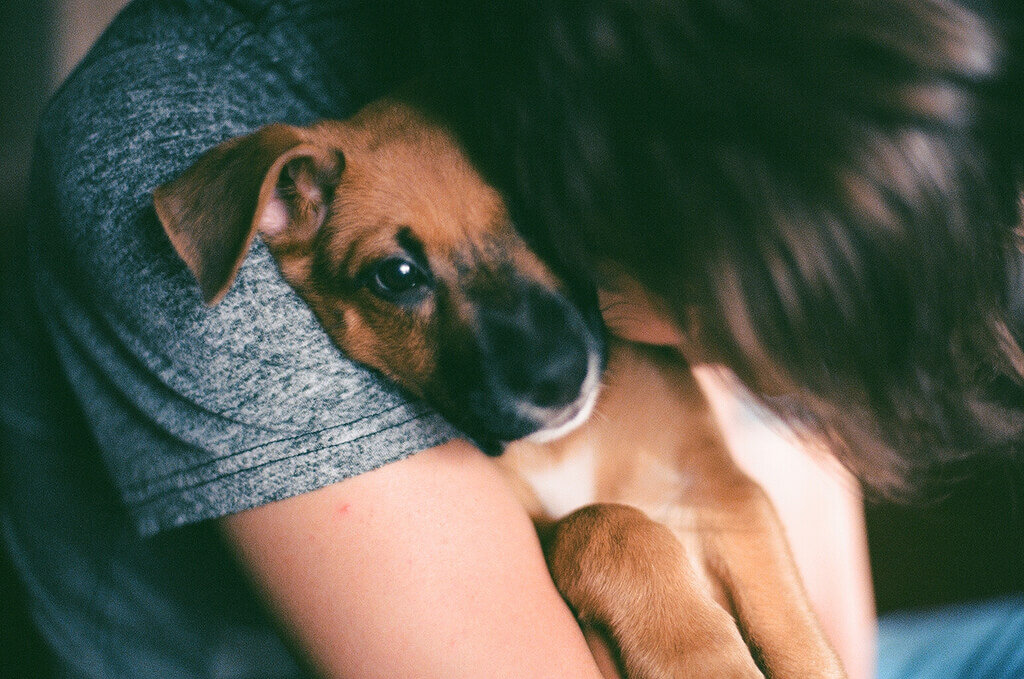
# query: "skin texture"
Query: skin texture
425,568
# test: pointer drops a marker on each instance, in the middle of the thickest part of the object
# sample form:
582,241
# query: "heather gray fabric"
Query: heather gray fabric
129,408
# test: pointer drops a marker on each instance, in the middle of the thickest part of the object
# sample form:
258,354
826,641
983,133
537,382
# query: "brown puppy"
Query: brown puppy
412,265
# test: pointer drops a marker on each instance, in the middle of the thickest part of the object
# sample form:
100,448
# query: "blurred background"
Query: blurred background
41,42
963,541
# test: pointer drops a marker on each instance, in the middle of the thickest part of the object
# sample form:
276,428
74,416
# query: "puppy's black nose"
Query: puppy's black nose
551,377
536,348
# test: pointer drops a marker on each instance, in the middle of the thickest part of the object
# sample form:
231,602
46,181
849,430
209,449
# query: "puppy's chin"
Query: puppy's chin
571,417
554,423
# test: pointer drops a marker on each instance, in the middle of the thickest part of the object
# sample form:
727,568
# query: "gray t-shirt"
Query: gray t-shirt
128,407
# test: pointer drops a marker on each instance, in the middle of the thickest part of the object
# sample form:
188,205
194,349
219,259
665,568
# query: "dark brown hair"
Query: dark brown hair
825,191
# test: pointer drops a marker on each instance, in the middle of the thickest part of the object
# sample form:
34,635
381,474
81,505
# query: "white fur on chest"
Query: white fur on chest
566,485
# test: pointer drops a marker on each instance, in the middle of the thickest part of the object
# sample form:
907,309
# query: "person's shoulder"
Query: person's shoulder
168,80
140,49
170,73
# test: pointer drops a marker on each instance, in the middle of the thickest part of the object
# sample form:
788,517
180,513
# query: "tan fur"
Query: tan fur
672,599
676,555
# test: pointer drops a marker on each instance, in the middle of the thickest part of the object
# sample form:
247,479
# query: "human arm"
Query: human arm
427,567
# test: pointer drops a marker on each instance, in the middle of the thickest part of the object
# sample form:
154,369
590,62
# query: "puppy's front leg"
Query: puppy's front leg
626,574
748,553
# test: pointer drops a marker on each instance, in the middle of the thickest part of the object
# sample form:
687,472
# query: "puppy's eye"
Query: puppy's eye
396,278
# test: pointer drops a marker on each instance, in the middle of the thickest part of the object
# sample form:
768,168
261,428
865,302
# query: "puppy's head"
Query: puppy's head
408,258
824,192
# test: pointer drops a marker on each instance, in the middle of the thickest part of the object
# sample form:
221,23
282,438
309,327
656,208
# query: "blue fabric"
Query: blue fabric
983,640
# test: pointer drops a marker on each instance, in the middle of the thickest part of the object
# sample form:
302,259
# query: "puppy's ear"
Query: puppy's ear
272,181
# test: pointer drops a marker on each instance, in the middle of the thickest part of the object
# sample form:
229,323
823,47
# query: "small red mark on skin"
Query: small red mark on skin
343,508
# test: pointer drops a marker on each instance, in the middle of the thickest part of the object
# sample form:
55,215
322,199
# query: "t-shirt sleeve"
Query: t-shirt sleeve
199,412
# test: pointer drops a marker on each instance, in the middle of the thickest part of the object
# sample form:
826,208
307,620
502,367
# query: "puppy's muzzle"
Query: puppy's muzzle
537,368
535,352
